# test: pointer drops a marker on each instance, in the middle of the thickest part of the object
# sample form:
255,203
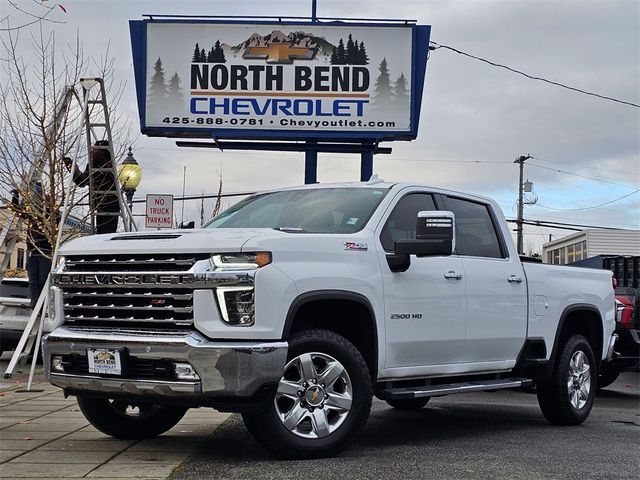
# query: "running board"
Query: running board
453,388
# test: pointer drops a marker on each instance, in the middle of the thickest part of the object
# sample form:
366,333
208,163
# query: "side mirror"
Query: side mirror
435,235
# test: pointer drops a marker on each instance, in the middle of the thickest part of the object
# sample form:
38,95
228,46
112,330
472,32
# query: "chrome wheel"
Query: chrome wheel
314,396
579,380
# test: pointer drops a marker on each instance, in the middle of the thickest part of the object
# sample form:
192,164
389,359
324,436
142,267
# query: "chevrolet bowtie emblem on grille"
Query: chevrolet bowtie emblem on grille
279,53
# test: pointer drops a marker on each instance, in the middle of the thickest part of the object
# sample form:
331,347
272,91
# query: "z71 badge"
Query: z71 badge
356,246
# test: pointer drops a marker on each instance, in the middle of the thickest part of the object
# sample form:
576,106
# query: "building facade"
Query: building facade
19,254
590,243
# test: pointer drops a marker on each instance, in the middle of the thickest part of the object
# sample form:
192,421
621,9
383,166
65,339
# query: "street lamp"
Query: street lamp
129,176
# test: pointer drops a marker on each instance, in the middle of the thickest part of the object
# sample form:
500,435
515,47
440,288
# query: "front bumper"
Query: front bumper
227,370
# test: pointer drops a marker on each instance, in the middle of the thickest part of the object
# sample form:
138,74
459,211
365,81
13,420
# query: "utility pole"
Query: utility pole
521,159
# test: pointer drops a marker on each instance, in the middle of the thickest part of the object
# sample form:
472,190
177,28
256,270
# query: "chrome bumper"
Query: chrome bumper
227,369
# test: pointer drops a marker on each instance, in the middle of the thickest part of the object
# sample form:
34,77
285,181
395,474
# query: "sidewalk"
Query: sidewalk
43,436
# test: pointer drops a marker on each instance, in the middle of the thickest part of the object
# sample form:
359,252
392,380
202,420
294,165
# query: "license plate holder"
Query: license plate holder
106,361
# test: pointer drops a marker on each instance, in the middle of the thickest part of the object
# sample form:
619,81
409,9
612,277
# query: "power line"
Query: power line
550,224
593,206
599,169
581,176
435,46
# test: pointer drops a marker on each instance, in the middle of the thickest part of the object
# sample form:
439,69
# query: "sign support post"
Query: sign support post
311,164
366,164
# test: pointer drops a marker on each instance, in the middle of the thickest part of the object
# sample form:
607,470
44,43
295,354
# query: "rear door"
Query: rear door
496,288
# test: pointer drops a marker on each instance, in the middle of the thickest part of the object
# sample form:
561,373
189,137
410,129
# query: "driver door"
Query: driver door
425,311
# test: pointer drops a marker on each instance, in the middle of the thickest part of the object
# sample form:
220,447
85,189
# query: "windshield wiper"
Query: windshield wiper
291,229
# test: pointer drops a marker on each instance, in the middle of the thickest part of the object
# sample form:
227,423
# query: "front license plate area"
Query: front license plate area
105,361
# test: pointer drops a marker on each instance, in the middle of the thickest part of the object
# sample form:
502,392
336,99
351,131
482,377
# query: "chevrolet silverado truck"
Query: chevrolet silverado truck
296,307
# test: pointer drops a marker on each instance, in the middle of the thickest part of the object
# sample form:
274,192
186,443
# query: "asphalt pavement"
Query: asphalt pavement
499,435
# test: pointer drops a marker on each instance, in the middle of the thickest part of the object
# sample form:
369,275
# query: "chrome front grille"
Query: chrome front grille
162,306
89,306
132,263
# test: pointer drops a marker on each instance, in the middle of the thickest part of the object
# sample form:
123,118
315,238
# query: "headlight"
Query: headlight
240,261
237,305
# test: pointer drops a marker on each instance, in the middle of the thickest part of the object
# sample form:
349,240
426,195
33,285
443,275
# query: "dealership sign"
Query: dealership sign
284,80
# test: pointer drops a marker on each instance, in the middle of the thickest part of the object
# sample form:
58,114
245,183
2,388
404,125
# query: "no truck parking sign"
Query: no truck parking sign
159,211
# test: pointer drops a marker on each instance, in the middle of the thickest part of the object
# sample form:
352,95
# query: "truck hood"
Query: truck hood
169,241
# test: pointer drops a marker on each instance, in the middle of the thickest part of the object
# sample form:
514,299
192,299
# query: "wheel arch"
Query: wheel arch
310,310
583,319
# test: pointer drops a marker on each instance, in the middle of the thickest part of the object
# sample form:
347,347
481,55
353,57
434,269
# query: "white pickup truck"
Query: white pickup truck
295,307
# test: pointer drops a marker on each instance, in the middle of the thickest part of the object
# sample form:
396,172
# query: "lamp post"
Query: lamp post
129,176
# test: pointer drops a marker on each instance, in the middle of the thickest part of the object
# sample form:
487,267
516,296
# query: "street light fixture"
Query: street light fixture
129,176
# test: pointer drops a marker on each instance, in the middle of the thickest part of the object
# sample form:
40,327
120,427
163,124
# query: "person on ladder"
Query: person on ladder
105,203
39,248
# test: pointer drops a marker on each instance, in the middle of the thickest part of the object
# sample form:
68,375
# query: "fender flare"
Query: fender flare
565,313
316,295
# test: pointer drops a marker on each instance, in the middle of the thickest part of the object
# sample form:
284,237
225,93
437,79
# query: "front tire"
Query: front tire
568,396
323,398
130,420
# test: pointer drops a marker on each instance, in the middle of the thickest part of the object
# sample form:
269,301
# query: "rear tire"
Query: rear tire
409,403
568,396
130,419
323,399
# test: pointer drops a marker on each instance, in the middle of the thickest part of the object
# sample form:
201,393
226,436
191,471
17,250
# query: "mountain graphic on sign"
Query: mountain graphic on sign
278,47
299,39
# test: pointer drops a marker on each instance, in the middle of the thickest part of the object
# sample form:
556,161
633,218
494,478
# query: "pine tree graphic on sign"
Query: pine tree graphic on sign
157,88
353,54
383,93
400,93
214,55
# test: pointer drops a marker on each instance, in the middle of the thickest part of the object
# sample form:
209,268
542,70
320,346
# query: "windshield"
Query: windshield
318,210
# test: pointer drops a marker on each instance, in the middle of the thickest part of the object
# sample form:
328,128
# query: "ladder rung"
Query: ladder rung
97,125
101,169
95,101
106,192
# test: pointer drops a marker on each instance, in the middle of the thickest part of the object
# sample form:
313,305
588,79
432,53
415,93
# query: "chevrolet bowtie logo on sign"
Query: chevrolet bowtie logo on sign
279,53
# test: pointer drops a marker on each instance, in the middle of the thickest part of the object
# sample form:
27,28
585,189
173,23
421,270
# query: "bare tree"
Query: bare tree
30,14
37,134
532,250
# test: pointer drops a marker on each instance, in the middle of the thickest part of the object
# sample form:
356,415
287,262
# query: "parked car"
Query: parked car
626,278
15,311
626,355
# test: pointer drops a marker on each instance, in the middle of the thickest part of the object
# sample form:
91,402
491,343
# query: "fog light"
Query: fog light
184,371
56,363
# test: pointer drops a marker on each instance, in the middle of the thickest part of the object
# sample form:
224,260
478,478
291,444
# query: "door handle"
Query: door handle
514,279
454,275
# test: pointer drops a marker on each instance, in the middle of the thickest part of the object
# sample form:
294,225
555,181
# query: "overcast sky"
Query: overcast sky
471,112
